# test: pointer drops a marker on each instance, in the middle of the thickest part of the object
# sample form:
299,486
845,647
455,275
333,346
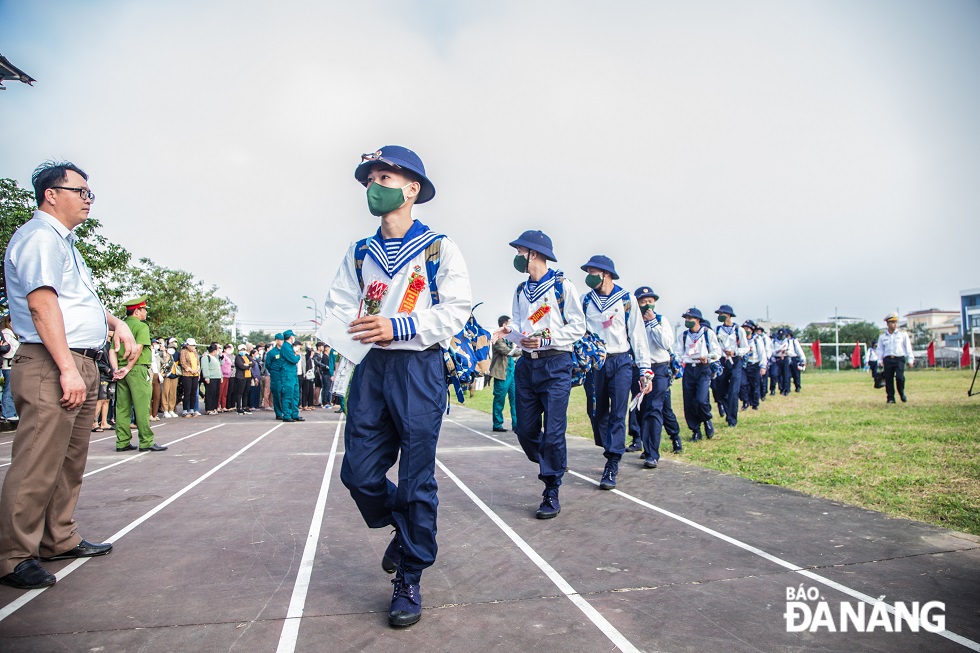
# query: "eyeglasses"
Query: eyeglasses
83,193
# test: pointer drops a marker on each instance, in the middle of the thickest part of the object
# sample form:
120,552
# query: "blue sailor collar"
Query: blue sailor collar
416,239
535,290
605,302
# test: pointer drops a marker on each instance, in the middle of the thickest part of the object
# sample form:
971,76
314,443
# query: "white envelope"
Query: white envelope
333,331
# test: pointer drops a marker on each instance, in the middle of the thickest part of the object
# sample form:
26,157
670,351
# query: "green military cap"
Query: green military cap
278,336
288,333
136,302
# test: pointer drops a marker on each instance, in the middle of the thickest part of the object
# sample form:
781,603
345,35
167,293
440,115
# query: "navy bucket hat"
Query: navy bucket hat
600,262
645,291
725,308
538,241
693,312
397,157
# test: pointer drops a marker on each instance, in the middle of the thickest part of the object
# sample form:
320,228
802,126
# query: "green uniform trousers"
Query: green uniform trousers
274,389
290,398
133,393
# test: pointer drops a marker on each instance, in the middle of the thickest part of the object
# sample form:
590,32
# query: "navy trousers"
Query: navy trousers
728,386
749,392
697,403
543,386
396,404
781,368
656,412
795,374
611,388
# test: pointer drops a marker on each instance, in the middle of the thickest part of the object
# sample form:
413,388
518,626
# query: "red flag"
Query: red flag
965,358
931,353
817,358
856,357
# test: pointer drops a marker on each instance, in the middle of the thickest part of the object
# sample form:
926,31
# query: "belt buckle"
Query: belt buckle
534,355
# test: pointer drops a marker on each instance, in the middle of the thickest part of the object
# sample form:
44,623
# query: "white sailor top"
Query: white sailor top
605,316
780,348
733,339
796,349
417,324
757,351
703,343
535,308
660,339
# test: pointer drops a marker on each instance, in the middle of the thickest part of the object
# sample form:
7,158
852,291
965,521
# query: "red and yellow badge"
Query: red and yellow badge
540,313
416,284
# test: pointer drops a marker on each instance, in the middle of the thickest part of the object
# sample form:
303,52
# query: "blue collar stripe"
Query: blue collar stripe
604,303
417,239
540,288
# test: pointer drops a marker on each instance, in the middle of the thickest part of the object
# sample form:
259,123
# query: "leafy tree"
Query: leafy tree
859,332
921,336
107,260
178,304
256,337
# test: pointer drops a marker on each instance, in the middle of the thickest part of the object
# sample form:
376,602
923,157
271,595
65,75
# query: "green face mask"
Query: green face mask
689,324
648,307
722,318
383,200
593,280
520,263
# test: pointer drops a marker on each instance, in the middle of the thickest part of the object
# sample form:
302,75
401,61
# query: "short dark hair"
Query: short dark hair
50,174
212,347
130,311
502,320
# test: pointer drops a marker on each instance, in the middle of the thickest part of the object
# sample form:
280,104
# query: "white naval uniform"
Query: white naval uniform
606,318
531,297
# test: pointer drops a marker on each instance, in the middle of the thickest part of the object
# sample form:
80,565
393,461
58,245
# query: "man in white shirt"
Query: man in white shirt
62,325
755,365
548,319
414,289
656,413
609,314
894,349
696,349
734,345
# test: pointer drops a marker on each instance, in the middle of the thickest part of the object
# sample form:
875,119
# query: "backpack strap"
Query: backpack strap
560,296
360,251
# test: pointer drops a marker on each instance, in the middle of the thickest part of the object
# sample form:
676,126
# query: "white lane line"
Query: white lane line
30,595
870,600
146,453
108,437
297,603
610,631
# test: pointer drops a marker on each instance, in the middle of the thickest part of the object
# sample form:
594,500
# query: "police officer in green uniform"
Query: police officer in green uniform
273,363
290,380
133,386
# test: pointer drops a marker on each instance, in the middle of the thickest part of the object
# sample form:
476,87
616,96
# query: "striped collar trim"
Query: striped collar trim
605,303
541,287
417,239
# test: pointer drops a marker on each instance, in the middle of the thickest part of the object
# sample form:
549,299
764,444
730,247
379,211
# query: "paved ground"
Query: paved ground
242,538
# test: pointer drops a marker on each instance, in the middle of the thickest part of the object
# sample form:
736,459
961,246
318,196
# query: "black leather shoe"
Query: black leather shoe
28,575
85,549
499,430
890,401
709,429
300,419
650,463
155,447
128,447
904,398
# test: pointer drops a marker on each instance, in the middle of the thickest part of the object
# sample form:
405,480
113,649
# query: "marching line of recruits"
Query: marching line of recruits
405,292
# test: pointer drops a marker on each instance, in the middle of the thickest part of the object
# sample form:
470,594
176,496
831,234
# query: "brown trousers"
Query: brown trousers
48,458
157,395
169,394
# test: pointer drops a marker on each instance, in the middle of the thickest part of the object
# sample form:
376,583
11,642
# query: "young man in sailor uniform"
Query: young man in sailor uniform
609,314
697,348
656,413
780,367
797,360
548,316
420,297
734,345
765,370
894,349
755,365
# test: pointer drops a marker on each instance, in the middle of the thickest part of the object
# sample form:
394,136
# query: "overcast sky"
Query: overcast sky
781,157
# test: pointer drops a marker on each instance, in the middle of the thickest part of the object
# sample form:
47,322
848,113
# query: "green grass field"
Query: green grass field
839,440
